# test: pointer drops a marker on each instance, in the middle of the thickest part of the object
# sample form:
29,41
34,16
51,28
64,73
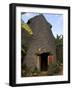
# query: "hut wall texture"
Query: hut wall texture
42,38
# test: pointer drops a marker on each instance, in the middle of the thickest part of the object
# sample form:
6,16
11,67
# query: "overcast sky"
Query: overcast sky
56,20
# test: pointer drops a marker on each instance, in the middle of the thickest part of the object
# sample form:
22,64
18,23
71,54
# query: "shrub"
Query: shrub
26,71
53,68
35,72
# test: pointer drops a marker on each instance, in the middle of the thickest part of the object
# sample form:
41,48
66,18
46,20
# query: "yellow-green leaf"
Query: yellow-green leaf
25,26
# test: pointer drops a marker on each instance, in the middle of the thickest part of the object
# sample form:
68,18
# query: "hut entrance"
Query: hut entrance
44,62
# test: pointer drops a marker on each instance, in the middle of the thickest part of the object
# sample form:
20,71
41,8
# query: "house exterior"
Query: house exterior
42,48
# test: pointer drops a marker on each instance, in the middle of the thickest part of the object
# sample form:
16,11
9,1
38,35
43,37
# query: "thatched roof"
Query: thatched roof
41,16
42,40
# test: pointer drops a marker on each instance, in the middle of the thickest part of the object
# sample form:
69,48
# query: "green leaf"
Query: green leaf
25,26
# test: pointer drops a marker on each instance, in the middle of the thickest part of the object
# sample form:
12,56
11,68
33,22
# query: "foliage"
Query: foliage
59,40
53,68
59,48
23,50
25,26
26,71
35,72
23,53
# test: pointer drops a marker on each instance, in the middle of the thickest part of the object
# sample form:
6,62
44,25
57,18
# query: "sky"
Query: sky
56,20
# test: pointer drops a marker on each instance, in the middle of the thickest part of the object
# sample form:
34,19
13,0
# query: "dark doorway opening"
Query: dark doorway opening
44,62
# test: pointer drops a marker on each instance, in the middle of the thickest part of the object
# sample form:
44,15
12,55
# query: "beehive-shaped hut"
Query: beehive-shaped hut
41,44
